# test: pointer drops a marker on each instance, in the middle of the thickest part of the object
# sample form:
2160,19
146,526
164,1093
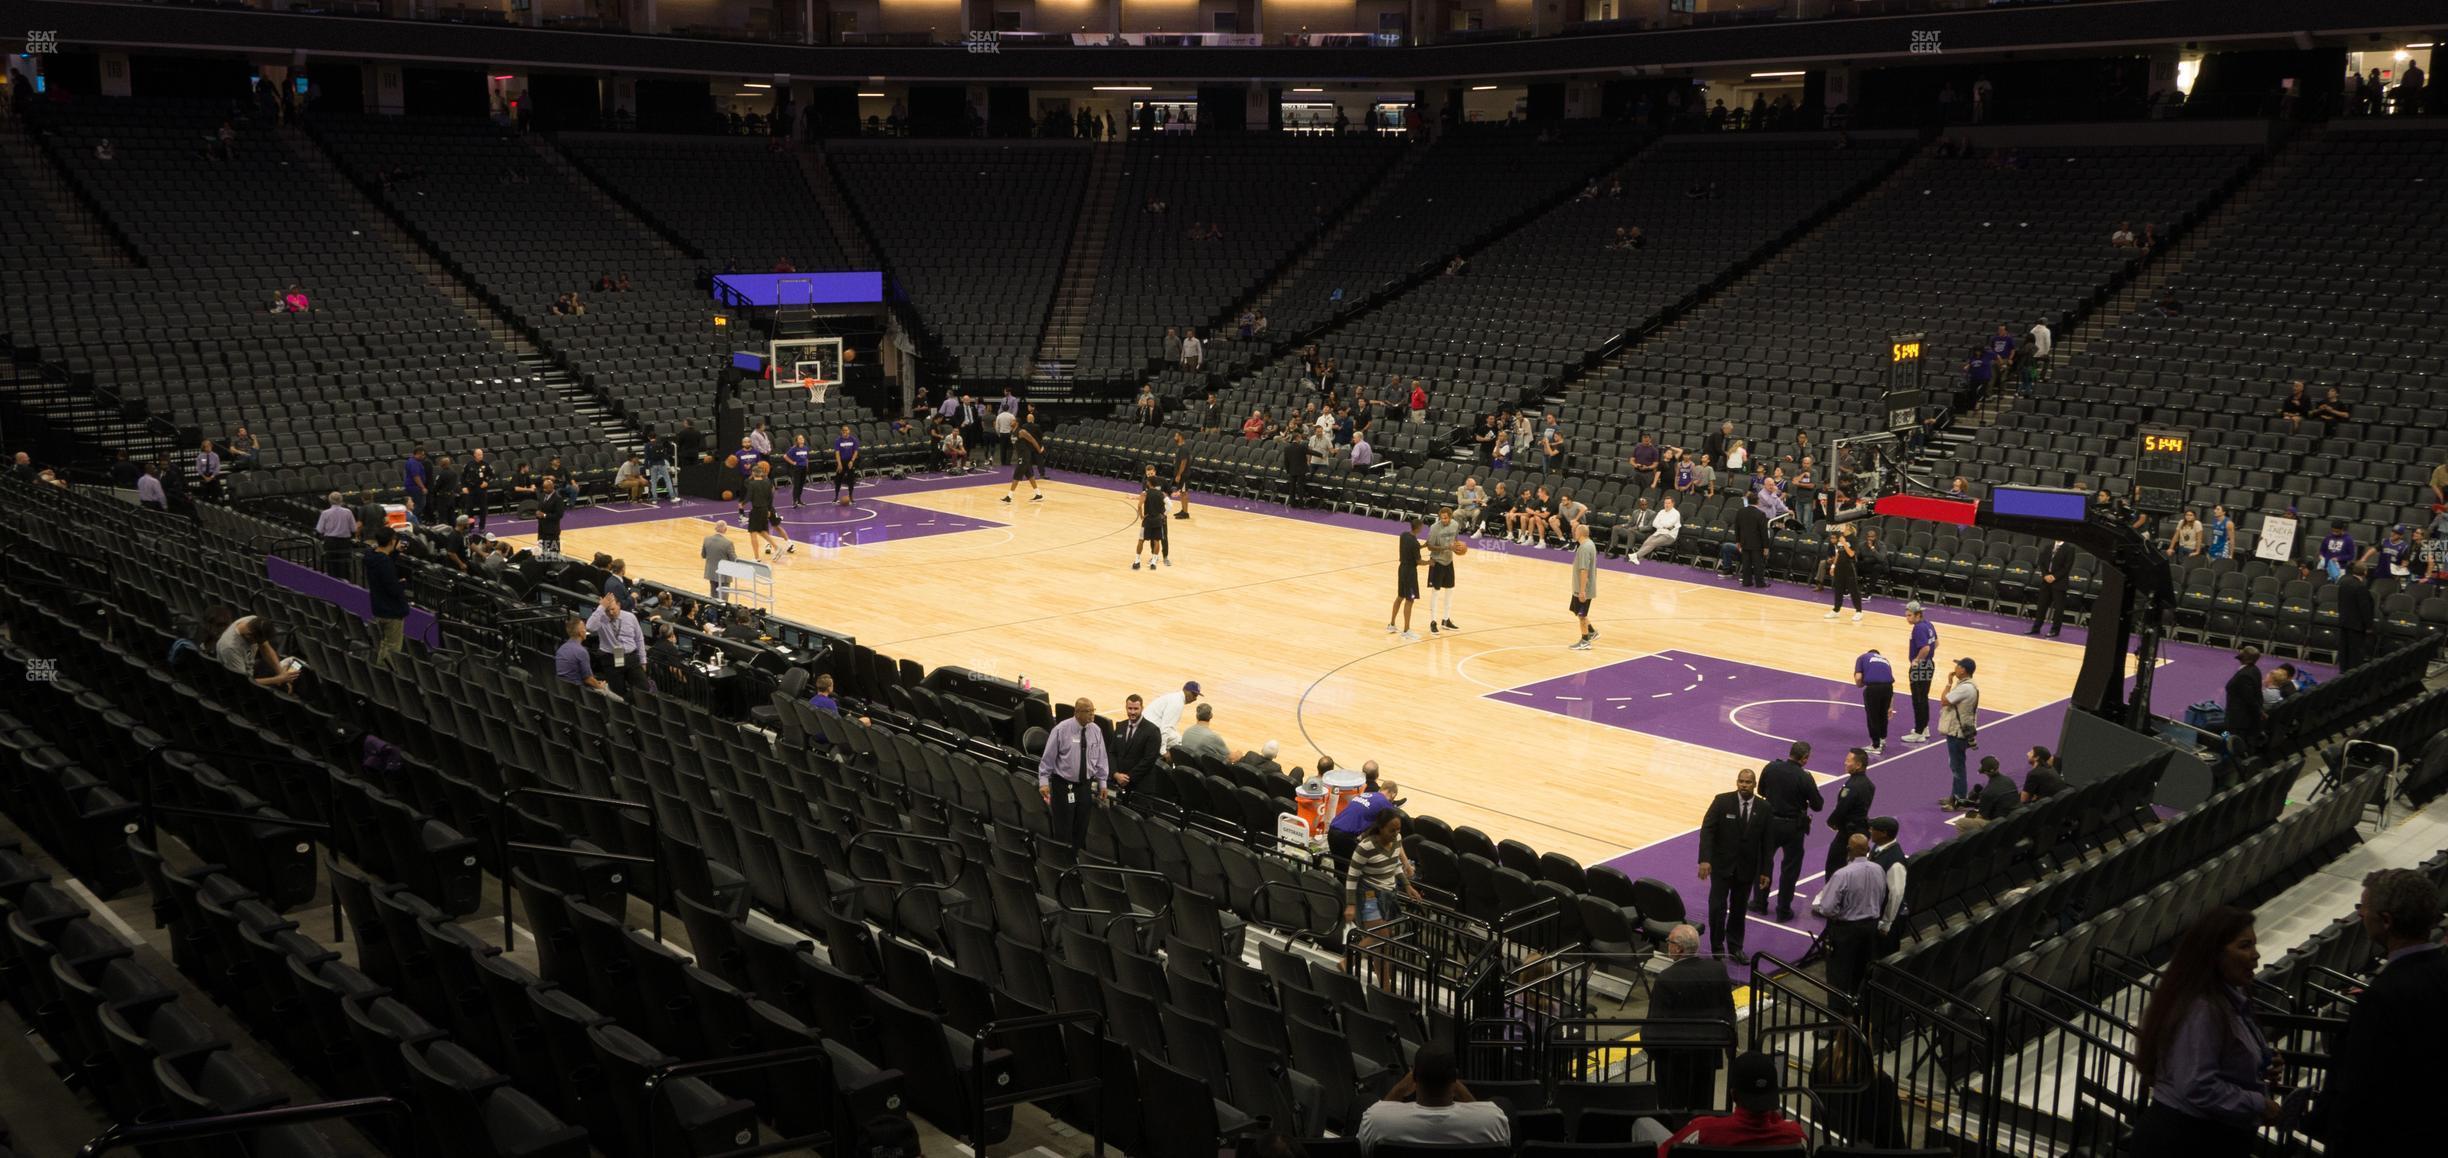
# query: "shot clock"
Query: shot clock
2159,470
1904,394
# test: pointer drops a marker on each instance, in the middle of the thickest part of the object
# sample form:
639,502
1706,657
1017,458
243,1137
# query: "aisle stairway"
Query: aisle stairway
1058,347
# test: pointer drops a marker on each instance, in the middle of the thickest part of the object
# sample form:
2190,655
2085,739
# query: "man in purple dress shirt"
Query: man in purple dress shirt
1074,759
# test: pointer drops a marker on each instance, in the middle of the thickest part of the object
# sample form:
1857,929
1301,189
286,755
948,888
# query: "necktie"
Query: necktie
1081,775
1746,812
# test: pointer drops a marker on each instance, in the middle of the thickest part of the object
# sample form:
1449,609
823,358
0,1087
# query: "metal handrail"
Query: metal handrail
988,1102
767,1059
503,846
901,890
121,1136
1118,916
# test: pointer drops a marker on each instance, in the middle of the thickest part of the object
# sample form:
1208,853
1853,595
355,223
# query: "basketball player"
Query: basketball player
845,467
1181,479
762,520
1026,447
1151,522
1406,581
1585,583
745,460
797,456
1441,537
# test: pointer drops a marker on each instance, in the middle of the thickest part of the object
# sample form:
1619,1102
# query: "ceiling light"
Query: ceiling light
1483,88
1766,75
2422,46
1308,90
1122,88
754,84
875,95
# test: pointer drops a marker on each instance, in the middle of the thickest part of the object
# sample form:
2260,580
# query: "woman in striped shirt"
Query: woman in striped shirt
1377,868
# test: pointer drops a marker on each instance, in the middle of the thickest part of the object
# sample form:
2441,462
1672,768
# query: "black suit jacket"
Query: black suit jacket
1852,811
2244,701
1751,529
2385,1066
1296,457
2357,610
1692,987
1730,846
2059,563
1135,756
1258,761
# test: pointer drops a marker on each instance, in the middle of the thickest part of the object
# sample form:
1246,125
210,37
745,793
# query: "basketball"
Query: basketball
726,496
1461,548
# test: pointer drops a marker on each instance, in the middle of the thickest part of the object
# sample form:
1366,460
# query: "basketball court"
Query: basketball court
1280,616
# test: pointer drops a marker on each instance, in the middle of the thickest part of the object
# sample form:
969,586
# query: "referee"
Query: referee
1876,678
1406,580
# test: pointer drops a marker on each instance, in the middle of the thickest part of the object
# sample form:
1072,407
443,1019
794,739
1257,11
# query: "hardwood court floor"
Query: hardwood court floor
1282,620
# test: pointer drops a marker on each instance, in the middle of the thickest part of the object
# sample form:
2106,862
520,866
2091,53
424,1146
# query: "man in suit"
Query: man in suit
2358,614
2244,702
1734,860
1852,812
1262,758
1296,470
1136,744
2385,1066
1792,795
1687,1057
1751,537
2055,573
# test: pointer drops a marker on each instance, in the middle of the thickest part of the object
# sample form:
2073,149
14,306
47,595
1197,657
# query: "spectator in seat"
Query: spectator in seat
2202,1053
2042,777
104,152
1860,1099
243,450
1193,352
2296,406
1663,530
1362,454
2384,1065
1430,1106
1201,739
1262,759
955,450
2189,536
1469,500
208,472
1254,427
2124,237
2331,411
246,648
1693,986
1753,1083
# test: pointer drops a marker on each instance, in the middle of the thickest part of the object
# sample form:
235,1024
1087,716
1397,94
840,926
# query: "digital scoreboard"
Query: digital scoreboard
2160,468
1904,394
